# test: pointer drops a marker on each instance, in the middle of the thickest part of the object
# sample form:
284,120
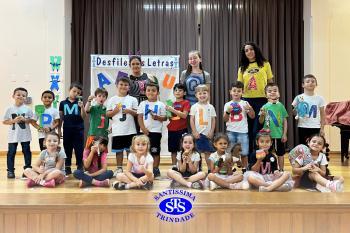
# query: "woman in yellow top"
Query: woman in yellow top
254,72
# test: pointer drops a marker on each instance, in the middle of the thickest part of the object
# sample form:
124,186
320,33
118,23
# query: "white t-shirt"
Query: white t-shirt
203,114
19,132
158,108
195,157
237,121
144,161
320,161
308,108
123,124
46,119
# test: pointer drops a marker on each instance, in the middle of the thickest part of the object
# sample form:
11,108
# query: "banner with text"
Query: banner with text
106,68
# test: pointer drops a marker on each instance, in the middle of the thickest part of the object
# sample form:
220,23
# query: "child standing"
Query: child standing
235,116
139,170
202,121
221,164
310,166
49,120
178,123
310,110
188,171
264,173
274,117
48,170
72,114
194,75
18,118
151,114
99,122
122,108
95,163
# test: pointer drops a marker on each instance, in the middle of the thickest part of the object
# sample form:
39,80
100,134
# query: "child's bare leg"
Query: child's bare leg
256,181
280,160
217,180
30,173
119,157
315,176
173,159
123,178
178,177
276,183
206,156
196,177
54,174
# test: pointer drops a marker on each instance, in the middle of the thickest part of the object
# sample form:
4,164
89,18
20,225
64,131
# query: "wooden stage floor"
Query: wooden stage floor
67,208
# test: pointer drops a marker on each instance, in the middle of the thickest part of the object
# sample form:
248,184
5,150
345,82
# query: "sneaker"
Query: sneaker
118,185
322,189
156,172
197,185
212,185
336,186
50,183
68,171
147,186
117,171
102,183
174,184
243,185
30,183
11,175
82,184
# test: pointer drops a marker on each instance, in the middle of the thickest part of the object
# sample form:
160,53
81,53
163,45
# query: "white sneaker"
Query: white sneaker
322,189
212,185
336,186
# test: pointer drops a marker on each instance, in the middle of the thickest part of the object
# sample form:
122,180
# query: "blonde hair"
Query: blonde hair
140,138
201,87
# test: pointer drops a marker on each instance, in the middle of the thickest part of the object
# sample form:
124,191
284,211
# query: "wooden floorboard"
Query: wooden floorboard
68,208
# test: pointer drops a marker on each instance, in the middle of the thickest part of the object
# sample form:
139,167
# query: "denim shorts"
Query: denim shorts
241,138
204,144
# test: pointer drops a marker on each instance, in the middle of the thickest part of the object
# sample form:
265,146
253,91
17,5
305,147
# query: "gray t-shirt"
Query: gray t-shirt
50,160
19,132
192,81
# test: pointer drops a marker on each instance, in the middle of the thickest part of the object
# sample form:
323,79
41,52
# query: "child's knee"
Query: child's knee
211,176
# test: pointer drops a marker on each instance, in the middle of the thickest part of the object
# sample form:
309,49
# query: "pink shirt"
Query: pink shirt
94,163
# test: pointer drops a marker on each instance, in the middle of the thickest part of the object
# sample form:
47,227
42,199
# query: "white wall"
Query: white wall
31,31
327,52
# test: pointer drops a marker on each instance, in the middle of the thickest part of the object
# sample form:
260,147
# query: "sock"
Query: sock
189,184
328,184
127,186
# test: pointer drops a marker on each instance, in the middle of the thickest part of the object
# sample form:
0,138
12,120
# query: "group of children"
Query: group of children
190,136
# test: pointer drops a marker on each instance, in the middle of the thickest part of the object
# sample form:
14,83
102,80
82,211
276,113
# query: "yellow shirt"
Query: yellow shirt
255,79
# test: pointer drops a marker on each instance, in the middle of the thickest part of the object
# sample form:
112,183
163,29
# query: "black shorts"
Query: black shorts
174,138
120,143
138,175
306,182
187,174
155,139
278,146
